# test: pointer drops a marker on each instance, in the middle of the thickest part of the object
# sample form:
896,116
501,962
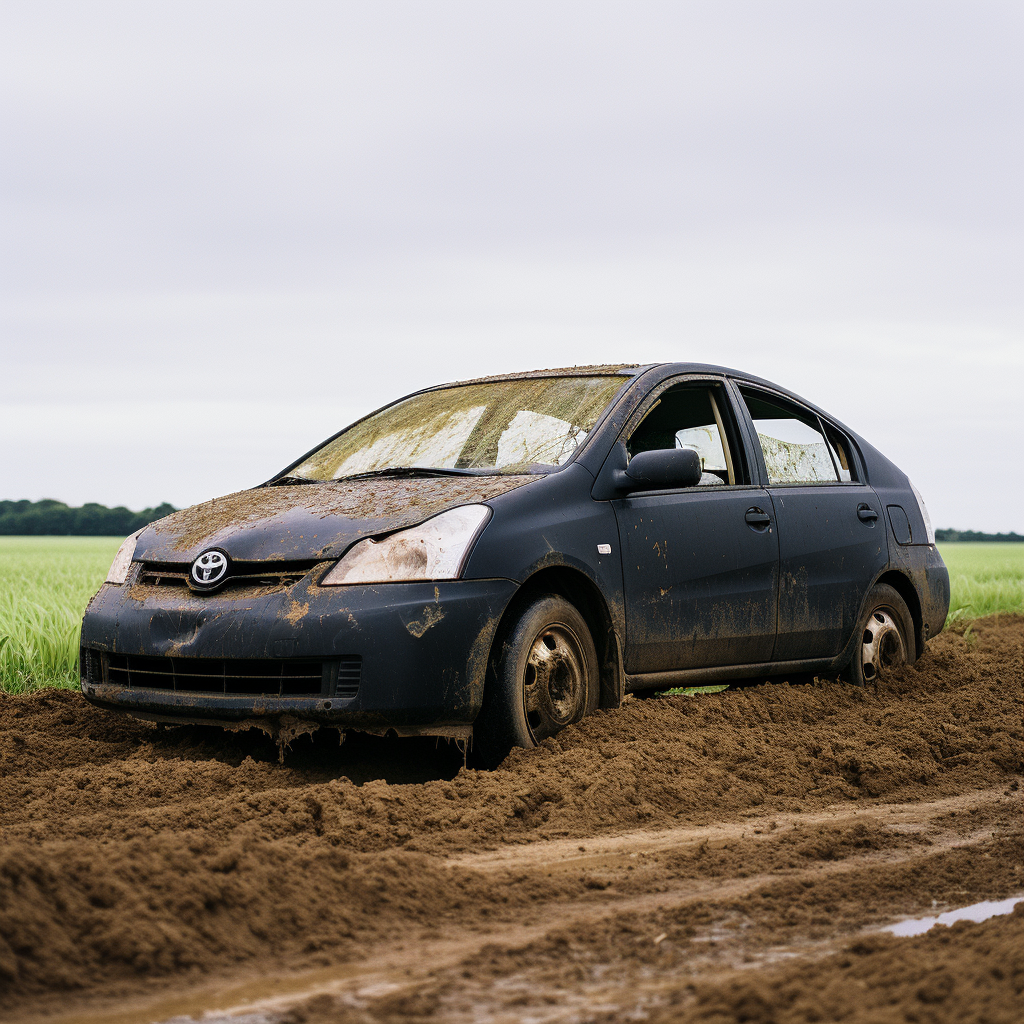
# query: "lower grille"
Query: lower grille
346,682
253,677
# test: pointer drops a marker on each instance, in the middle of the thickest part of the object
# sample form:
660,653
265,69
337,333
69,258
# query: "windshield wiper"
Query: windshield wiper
391,471
283,481
400,471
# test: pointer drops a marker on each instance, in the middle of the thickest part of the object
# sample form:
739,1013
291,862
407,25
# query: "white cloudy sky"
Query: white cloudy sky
230,228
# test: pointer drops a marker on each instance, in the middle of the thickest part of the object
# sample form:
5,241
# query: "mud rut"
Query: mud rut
724,858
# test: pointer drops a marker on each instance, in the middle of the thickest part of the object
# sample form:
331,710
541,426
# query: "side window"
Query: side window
841,451
795,449
689,416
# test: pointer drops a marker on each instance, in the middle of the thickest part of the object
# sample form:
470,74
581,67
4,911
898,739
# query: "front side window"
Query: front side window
506,426
688,416
794,448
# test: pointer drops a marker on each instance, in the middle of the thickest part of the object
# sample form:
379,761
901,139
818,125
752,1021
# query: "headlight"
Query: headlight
929,532
434,550
122,561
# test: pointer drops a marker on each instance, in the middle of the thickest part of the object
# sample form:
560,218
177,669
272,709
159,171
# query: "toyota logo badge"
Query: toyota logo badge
209,570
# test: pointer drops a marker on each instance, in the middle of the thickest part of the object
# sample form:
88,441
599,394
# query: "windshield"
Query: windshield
506,426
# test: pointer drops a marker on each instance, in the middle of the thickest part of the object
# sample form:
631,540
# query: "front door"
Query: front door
700,564
832,541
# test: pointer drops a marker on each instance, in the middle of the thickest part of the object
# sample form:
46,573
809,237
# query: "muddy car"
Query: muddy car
492,560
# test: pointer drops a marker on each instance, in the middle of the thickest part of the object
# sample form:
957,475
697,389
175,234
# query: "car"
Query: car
492,560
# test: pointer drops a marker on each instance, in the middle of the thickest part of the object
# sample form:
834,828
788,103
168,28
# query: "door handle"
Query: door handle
757,517
865,513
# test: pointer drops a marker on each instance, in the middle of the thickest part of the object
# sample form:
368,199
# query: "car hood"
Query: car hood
310,521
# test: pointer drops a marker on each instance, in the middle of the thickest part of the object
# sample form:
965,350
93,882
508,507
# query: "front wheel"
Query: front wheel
885,637
543,677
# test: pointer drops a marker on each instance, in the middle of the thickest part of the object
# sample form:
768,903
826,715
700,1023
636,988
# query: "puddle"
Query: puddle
977,912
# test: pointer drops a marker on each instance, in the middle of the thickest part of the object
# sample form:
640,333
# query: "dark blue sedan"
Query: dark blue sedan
490,561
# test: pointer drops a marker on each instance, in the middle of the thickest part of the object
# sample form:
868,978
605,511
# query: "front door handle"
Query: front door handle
757,517
865,513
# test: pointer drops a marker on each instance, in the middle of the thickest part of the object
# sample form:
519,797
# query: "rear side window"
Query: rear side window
797,447
841,452
690,416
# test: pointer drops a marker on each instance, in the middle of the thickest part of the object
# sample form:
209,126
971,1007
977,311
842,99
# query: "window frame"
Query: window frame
857,478
734,443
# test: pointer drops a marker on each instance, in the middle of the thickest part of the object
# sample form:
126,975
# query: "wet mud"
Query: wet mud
727,857
391,503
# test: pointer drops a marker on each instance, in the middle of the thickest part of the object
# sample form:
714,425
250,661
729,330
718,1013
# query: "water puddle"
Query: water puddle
977,913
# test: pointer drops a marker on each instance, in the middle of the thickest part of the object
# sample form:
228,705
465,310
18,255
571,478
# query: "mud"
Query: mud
967,973
592,370
679,856
391,503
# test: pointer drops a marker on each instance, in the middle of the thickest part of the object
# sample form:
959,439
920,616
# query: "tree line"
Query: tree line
948,536
54,518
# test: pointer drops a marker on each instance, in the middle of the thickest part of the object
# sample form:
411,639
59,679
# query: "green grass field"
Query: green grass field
984,578
46,582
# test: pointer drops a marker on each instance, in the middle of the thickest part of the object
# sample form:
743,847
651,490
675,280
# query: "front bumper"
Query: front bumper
422,648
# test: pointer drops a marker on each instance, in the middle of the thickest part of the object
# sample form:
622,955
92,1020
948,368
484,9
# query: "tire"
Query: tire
543,677
885,638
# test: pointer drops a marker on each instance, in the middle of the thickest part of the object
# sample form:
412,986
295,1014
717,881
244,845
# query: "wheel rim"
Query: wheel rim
555,681
882,648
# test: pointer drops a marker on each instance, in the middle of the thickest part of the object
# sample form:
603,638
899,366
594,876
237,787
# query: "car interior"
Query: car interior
688,417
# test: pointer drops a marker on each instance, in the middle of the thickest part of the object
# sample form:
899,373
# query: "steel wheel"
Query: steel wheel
882,645
543,676
555,681
885,638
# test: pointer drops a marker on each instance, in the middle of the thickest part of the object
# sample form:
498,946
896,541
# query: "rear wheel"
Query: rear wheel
543,677
885,638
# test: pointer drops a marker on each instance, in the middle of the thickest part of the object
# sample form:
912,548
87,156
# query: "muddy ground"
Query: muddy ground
721,858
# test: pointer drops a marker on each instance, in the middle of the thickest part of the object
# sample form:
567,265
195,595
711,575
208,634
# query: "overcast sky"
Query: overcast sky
228,229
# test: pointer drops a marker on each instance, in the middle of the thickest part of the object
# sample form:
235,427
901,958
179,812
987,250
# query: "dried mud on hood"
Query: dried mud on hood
309,521
132,857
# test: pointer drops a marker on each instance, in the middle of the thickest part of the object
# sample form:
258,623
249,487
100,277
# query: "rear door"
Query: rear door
699,564
832,540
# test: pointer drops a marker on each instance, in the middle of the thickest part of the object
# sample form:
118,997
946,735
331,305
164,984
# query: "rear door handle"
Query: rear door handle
866,514
757,517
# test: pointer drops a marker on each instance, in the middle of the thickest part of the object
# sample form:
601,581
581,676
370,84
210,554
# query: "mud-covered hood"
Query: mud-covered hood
310,521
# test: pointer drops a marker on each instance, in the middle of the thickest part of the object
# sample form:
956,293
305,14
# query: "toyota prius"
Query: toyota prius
490,561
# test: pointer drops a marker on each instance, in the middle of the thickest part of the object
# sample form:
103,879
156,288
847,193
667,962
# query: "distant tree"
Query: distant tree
952,536
53,518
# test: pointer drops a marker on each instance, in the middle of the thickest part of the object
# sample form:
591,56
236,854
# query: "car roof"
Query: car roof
591,370
619,369
634,370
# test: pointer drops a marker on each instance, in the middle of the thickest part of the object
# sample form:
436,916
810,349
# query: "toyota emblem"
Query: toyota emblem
209,569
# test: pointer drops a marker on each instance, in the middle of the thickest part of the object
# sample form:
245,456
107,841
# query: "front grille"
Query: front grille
240,574
253,677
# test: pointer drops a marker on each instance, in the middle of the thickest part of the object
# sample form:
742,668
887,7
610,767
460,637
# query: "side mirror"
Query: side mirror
663,468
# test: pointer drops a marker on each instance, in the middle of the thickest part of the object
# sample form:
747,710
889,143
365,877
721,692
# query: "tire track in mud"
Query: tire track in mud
400,971
567,854
543,970
134,859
